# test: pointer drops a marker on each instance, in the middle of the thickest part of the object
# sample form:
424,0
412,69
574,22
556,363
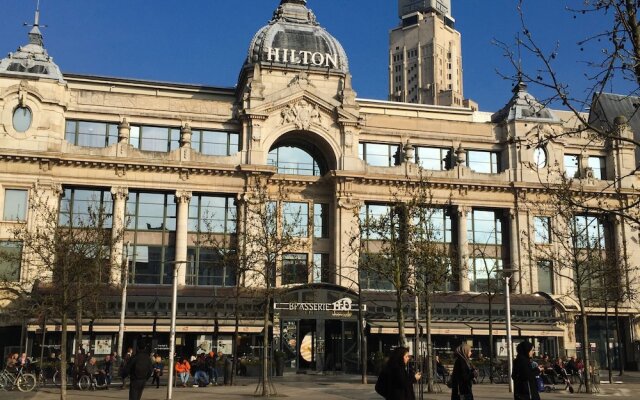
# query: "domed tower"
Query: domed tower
296,79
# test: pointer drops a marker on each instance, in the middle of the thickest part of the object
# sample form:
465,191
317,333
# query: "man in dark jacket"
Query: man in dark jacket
139,369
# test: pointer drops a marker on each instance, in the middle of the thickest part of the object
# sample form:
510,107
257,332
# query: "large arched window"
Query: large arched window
294,161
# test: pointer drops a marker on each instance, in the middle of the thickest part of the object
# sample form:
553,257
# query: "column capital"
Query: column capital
348,202
48,186
183,196
119,193
462,211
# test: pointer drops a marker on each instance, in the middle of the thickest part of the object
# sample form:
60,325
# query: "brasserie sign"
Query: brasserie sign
344,305
302,57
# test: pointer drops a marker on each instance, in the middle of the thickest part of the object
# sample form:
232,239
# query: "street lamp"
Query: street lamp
506,274
123,307
172,329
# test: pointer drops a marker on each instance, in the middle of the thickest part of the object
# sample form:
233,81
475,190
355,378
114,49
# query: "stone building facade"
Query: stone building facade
168,158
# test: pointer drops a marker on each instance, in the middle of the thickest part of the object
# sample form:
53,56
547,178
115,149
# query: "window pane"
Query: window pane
10,261
571,166
597,164
542,229
545,277
296,218
485,228
485,162
154,138
294,269
15,205
432,158
293,161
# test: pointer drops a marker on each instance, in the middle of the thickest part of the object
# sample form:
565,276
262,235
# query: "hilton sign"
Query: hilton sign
289,56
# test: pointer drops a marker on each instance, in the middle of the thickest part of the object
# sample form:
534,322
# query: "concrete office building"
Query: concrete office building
169,158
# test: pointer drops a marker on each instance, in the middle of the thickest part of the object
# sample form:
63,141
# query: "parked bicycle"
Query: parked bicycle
24,382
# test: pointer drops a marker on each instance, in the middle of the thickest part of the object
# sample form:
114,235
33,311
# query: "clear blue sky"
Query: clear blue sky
205,41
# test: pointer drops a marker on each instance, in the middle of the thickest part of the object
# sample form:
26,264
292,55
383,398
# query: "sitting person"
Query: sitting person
12,364
183,369
441,370
92,371
200,377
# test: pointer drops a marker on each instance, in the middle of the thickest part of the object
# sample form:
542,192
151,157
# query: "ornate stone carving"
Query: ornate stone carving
302,80
183,196
119,193
302,114
185,136
124,131
462,211
347,202
184,174
121,170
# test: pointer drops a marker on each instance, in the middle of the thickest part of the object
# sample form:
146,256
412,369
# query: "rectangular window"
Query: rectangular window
152,264
294,269
374,221
483,275
215,143
436,225
542,230
571,163
545,276
10,261
15,205
155,138
151,211
589,232
86,208
321,220
485,227
598,165
380,154
321,271
208,267
91,134
296,219
212,214
433,158
485,162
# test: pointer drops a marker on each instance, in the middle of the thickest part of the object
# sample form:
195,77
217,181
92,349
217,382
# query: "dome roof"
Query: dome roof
294,39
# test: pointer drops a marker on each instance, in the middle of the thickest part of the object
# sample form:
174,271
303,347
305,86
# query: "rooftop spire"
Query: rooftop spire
35,36
302,2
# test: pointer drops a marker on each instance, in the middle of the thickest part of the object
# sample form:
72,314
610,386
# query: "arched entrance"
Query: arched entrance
316,328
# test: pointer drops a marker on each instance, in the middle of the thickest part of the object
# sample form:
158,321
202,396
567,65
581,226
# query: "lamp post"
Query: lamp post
172,329
123,307
506,273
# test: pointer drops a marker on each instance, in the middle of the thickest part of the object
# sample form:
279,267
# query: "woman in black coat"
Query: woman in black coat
463,374
396,380
524,374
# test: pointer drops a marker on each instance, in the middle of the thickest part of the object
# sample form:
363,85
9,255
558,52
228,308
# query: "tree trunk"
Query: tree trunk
622,355
491,339
585,348
429,359
234,343
402,337
265,349
63,356
78,345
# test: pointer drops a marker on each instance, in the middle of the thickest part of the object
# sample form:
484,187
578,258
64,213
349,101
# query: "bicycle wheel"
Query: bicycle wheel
4,381
84,383
26,382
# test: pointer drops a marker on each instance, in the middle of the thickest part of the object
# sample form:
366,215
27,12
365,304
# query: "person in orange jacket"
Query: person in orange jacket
183,369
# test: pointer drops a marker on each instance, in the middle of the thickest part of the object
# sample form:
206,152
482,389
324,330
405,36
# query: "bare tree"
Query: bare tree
574,247
65,264
613,64
268,232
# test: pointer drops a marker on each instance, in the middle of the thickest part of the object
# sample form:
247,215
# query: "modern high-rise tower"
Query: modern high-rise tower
425,55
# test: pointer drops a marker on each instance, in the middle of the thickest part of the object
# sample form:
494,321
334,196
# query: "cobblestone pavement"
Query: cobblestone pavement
317,387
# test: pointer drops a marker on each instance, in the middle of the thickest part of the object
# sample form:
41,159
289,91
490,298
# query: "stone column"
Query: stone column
44,200
182,217
345,227
463,248
124,131
119,194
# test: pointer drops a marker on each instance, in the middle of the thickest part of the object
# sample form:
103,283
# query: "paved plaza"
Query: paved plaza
319,387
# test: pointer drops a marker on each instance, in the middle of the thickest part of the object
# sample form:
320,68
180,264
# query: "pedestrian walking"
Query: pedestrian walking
464,374
157,370
524,374
397,378
123,366
139,369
